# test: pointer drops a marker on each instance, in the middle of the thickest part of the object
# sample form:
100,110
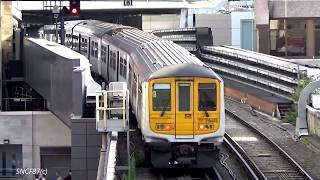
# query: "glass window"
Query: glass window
84,45
184,96
103,54
317,31
111,56
161,97
94,49
124,68
134,85
121,66
296,37
75,42
113,60
277,38
207,97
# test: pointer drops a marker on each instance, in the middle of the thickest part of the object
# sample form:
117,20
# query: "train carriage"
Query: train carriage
178,101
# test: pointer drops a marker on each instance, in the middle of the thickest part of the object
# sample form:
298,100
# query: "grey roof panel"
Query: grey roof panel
148,52
184,70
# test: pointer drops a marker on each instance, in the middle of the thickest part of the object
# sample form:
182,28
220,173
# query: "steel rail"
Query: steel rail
275,147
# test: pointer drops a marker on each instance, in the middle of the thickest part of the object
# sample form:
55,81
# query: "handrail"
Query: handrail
112,108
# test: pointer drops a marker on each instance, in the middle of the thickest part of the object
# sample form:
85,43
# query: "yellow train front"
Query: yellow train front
185,117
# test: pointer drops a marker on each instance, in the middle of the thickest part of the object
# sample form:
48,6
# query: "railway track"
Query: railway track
262,158
191,174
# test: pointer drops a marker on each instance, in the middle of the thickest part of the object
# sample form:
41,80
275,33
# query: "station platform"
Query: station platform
256,92
314,63
262,100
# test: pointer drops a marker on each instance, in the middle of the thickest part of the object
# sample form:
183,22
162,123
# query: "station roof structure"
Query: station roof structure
118,4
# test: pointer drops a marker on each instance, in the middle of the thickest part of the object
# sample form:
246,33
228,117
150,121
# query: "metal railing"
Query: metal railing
112,108
24,104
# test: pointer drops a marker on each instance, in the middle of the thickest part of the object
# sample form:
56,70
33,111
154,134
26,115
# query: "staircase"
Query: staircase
284,108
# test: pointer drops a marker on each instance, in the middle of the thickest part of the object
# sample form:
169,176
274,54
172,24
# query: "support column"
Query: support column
310,38
183,18
6,30
263,38
6,33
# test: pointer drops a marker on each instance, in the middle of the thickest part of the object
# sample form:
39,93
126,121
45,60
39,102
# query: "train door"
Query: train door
184,121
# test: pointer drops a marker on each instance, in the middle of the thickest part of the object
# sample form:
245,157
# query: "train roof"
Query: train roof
148,52
95,27
184,70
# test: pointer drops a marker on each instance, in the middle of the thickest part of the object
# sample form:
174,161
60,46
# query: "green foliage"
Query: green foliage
132,167
292,115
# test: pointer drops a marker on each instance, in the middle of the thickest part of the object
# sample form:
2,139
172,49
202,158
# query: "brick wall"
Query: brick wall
256,102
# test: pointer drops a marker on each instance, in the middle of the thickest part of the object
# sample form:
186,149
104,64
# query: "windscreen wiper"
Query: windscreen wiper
164,109
205,110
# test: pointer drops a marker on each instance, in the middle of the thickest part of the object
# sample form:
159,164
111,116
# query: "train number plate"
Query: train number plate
209,120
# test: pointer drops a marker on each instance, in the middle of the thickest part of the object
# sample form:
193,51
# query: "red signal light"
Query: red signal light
74,7
74,11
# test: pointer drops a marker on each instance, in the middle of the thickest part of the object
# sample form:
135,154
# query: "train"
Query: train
177,100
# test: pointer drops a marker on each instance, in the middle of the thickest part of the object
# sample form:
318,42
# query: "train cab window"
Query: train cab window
207,97
103,54
161,97
184,96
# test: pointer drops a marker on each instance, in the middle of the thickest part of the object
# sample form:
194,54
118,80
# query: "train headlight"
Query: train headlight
204,127
164,127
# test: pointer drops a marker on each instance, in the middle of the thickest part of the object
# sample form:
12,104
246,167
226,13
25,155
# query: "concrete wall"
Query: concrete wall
220,25
85,150
33,130
313,117
294,8
236,18
163,21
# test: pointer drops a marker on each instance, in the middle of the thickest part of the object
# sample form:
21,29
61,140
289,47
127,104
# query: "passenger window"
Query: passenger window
207,97
184,96
103,54
75,42
134,85
125,68
84,45
130,78
121,66
113,60
161,97
94,49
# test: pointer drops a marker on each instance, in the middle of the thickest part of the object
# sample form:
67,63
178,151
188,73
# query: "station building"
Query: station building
288,28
